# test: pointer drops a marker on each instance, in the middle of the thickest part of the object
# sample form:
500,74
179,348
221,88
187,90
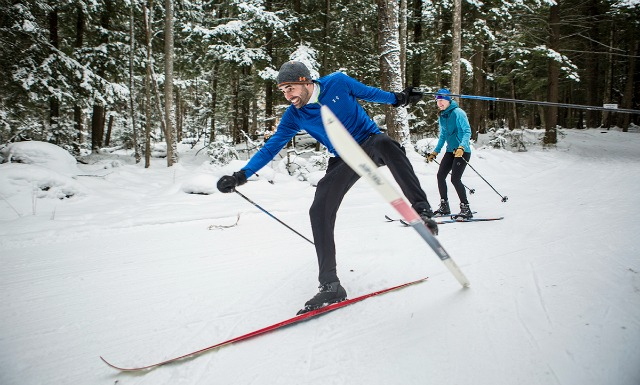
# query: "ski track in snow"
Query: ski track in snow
534,276
130,271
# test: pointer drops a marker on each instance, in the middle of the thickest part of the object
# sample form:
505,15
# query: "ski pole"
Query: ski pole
272,216
541,103
471,190
504,198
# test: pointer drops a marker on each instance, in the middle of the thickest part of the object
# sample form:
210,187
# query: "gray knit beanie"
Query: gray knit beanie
294,72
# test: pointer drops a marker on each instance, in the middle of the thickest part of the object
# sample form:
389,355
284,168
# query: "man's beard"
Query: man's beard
303,99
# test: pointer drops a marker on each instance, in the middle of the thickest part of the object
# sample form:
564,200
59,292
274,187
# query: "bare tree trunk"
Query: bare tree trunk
132,96
389,50
99,110
514,122
97,127
551,118
148,21
592,70
416,74
147,126
107,138
97,120
478,107
606,116
456,48
627,99
477,112
179,115
172,146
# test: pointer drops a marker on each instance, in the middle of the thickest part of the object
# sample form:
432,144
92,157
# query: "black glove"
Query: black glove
228,183
409,95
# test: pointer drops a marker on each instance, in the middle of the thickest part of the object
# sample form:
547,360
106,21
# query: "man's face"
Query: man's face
297,94
443,104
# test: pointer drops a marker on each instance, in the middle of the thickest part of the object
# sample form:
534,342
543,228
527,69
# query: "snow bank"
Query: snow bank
41,154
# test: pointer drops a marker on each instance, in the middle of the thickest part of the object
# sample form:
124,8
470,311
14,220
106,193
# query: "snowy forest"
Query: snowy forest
94,74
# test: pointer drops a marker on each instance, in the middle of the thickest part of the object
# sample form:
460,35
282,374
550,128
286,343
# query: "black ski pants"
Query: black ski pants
338,180
456,166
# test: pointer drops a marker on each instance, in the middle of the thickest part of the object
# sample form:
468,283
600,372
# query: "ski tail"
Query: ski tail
351,152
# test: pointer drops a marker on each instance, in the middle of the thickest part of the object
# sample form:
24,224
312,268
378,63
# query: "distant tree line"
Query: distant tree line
89,74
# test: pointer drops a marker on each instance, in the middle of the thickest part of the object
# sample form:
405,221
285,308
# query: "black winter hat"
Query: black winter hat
294,72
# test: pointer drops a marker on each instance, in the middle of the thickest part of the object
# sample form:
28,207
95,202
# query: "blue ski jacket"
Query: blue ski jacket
454,129
340,93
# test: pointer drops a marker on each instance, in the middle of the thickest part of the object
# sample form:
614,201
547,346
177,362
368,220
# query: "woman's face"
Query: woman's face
443,104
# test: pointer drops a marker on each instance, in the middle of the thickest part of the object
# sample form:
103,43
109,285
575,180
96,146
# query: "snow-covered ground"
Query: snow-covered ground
111,259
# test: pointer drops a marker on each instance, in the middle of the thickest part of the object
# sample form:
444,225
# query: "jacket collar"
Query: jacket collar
453,105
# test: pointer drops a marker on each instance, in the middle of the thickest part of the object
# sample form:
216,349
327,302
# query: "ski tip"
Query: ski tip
125,369
110,364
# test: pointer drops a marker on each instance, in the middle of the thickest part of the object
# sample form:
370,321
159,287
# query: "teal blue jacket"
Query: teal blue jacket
454,129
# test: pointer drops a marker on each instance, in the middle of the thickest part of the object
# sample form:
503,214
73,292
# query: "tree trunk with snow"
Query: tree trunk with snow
403,41
172,146
269,118
456,48
147,83
390,71
132,96
214,101
326,32
551,118
77,108
54,103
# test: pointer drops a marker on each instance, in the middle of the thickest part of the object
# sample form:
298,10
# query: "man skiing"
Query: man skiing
456,132
340,93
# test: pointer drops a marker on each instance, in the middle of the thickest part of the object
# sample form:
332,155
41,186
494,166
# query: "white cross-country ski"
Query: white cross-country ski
353,155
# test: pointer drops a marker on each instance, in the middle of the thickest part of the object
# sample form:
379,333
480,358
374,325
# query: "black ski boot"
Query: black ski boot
329,293
444,208
425,215
465,211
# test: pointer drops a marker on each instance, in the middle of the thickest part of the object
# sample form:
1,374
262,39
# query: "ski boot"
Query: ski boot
443,209
426,215
329,293
465,212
